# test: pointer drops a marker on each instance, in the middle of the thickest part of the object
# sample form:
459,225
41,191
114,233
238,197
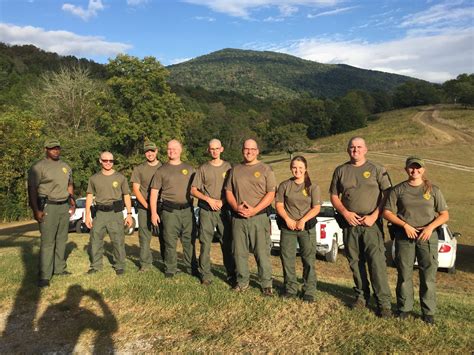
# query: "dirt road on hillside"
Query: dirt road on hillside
444,131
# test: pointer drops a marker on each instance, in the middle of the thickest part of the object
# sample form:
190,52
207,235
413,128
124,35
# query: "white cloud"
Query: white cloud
204,18
179,60
333,12
435,58
91,11
242,8
440,14
61,42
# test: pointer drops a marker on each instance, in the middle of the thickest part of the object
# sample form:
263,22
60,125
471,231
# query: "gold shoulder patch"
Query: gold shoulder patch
185,171
366,174
224,174
305,193
427,196
257,174
64,170
115,184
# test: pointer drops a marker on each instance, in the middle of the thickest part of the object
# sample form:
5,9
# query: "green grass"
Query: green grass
148,313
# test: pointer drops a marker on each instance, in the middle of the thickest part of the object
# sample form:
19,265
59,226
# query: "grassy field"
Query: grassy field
144,312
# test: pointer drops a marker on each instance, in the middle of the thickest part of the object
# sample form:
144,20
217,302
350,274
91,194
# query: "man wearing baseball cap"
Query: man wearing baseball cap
141,182
50,191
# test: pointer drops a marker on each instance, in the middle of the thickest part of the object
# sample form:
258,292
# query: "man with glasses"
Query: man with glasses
111,190
250,189
171,186
50,192
141,180
208,187
358,191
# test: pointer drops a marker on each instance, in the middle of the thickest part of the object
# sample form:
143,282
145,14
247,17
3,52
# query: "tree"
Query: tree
68,101
20,146
290,138
144,105
351,114
415,93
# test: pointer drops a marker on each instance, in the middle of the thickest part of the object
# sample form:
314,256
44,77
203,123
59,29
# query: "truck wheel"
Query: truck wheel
331,256
78,227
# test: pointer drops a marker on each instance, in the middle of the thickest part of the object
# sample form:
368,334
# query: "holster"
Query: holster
42,202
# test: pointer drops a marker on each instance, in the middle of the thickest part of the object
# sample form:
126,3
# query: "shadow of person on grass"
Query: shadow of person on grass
19,325
62,324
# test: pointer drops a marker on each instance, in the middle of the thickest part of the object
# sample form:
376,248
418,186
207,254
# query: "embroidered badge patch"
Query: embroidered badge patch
426,196
185,171
115,184
256,174
366,174
224,174
64,170
305,193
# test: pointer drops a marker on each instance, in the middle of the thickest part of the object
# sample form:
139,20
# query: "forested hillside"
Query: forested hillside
270,75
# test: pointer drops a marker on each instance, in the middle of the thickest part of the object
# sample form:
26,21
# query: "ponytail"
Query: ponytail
428,186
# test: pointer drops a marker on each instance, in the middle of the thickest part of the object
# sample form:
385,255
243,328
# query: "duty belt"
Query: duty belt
105,208
168,205
56,202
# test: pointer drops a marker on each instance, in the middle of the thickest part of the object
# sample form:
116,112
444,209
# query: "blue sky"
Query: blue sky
427,39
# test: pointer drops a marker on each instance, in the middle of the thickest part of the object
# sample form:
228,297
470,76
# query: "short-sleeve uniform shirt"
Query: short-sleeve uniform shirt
360,186
415,206
108,188
143,174
251,183
209,179
51,179
297,199
174,182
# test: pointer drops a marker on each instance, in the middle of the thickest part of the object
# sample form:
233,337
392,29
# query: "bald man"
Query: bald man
208,187
111,191
358,191
250,189
171,186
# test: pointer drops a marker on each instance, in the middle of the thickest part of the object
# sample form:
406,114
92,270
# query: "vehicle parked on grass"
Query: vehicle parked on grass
77,224
447,248
328,233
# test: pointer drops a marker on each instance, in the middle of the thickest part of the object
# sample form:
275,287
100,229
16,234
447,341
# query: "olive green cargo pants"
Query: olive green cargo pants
209,221
54,232
111,223
366,245
144,238
179,224
252,235
427,254
307,242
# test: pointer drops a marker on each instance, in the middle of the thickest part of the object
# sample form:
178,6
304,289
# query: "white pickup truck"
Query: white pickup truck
328,233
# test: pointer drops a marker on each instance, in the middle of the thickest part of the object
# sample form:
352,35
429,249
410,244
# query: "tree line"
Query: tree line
131,101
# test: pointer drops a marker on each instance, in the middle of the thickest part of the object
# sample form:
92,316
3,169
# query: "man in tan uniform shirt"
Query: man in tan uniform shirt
141,181
50,192
250,189
171,187
208,187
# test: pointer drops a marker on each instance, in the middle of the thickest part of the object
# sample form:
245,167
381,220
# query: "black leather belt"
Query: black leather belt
56,202
105,208
168,205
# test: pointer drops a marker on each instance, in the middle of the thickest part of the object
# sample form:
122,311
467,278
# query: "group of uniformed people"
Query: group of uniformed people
233,205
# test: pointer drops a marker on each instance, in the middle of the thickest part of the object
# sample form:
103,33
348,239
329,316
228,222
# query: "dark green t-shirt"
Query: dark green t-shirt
51,179
413,205
251,183
108,188
143,174
209,179
296,199
174,182
359,187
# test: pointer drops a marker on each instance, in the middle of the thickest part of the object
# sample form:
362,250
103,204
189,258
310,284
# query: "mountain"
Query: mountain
270,74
